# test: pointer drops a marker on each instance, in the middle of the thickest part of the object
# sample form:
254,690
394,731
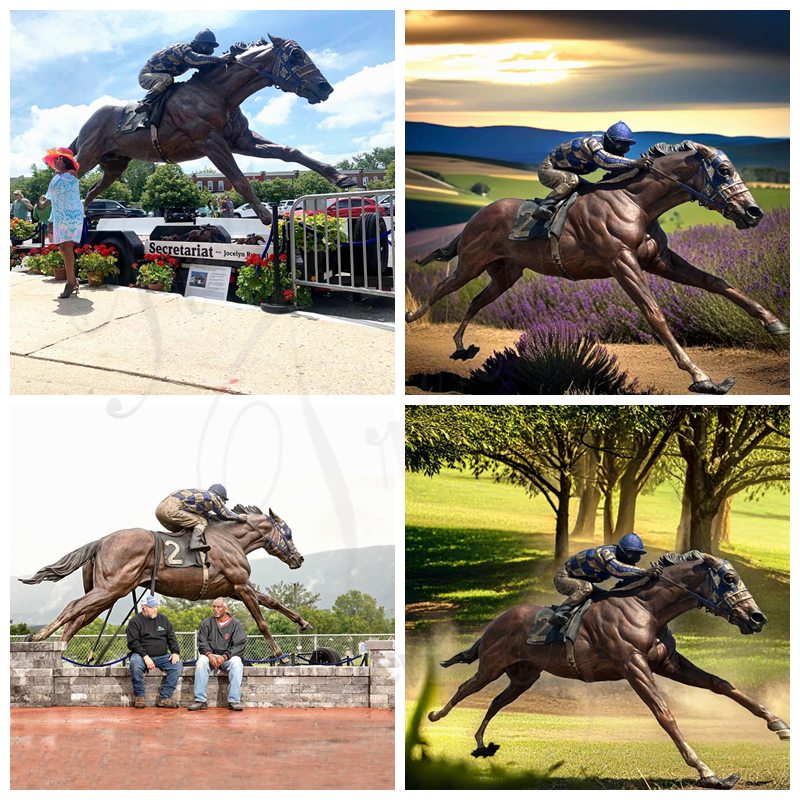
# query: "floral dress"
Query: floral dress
64,194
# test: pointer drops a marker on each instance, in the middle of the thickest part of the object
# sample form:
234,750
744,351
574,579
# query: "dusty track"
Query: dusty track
757,372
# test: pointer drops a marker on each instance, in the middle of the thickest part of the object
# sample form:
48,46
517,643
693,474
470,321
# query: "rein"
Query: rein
714,608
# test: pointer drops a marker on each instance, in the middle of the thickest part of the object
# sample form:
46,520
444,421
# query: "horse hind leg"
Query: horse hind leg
503,278
112,169
84,608
521,677
481,678
453,282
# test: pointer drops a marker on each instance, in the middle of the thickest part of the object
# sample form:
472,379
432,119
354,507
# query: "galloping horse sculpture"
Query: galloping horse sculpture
623,637
116,564
612,232
202,118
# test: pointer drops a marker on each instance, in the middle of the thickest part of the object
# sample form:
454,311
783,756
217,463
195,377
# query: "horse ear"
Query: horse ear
275,516
712,561
276,40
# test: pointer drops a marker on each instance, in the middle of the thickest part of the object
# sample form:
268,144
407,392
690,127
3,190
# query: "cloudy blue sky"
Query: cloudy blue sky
65,65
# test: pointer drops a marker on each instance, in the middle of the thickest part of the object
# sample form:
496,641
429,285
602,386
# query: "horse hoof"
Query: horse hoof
306,626
709,387
486,752
465,355
432,716
777,328
713,782
781,728
345,182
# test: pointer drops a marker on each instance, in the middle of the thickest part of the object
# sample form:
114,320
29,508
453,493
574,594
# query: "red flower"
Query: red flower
282,257
288,295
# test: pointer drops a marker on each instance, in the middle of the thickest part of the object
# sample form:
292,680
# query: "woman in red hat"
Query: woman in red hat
67,218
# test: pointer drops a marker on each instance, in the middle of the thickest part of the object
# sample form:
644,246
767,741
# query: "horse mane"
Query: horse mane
671,559
663,149
240,509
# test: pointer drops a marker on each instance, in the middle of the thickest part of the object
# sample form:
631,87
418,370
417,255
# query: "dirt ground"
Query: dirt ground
151,748
757,372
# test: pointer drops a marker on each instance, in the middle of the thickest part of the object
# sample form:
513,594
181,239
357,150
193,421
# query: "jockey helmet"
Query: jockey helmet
218,488
631,547
620,133
206,37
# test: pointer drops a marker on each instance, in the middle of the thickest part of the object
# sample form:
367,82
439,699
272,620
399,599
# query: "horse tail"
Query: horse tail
442,254
66,565
464,657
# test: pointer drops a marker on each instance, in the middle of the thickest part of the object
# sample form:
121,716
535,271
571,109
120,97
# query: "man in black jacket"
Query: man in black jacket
220,644
152,643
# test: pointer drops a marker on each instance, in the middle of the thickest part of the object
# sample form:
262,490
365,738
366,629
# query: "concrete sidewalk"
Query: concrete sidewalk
118,340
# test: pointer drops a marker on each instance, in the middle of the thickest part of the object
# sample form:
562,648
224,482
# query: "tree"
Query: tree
274,191
34,185
294,595
479,188
310,183
727,450
169,187
535,447
117,191
377,158
136,175
390,175
19,629
356,612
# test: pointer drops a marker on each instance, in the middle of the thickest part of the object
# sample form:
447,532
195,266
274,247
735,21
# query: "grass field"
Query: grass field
475,547
429,209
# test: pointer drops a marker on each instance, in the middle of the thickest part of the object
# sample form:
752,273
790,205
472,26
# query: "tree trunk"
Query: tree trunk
721,525
626,509
608,516
562,517
589,497
682,535
702,516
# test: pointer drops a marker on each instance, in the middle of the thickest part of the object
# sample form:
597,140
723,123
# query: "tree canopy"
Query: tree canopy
169,187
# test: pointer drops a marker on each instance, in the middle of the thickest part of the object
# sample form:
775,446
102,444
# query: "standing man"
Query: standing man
21,207
220,643
153,643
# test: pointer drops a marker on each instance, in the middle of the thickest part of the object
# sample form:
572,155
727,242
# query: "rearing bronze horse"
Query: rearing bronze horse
623,637
612,232
116,564
203,118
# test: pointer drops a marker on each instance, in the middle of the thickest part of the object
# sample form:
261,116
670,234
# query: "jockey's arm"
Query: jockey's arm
220,510
606,160
193,59
625,571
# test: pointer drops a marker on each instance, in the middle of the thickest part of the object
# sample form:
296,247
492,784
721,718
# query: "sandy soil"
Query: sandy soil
757,372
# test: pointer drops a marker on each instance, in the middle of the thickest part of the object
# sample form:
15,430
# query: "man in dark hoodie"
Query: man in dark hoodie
220,644
153,643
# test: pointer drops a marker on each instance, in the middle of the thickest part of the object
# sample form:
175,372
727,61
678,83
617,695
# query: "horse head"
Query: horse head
278,540
712,175
288,67
719,589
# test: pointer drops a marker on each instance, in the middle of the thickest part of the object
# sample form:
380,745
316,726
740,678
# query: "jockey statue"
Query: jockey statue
582,155
158,74
577,577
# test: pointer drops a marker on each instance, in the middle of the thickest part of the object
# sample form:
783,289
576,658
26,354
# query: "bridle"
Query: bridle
277,540
283,74
723,602
714,184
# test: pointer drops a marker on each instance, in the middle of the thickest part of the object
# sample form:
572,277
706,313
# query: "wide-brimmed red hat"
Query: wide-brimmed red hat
60,152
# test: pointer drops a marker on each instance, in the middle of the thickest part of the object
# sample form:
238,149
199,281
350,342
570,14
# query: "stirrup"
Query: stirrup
545,212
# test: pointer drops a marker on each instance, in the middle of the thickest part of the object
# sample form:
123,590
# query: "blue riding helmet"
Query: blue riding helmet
206,37
219,489
620,133
631,547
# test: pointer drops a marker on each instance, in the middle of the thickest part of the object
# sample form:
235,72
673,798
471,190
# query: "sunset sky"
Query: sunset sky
716,72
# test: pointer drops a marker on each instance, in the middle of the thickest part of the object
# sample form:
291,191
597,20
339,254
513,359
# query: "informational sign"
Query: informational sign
208,280
210,250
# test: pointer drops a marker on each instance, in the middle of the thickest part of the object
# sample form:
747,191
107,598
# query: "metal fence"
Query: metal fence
344,242
86,649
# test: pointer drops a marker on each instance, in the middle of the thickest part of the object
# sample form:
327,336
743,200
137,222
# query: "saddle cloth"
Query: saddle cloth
540,228
542,632
175,549
130,121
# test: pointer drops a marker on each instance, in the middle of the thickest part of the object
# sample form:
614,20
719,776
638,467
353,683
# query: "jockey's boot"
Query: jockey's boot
198,540
545,210
143,107
563,613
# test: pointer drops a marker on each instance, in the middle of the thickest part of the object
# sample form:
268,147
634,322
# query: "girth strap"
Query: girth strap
204,587
570,647
157,144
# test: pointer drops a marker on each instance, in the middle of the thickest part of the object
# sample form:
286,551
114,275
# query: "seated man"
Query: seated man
220,644
580,572
189,509
153,643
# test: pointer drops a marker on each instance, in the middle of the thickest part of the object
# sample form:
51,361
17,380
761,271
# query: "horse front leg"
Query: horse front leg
680,669
641,679
628,272
253,144
675,268
270,602
247,594
218,150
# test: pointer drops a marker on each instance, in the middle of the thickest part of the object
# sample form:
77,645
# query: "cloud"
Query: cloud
34,35
51,127
365,97
277,110
381,138
333,60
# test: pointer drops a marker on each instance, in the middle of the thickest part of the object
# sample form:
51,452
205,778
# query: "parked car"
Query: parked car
353,207
102,209
284,207
179,215
244,211
387,202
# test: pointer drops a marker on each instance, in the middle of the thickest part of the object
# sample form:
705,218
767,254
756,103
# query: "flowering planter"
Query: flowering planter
95,278
155,287
60,273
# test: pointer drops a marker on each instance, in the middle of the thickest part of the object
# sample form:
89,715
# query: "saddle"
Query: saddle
130,120
176,554
542,632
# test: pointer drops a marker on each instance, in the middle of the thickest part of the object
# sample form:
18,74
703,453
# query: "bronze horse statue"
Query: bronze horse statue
623,636
612,232
116,564
203,118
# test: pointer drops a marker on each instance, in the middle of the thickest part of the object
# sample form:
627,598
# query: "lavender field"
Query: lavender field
754,261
